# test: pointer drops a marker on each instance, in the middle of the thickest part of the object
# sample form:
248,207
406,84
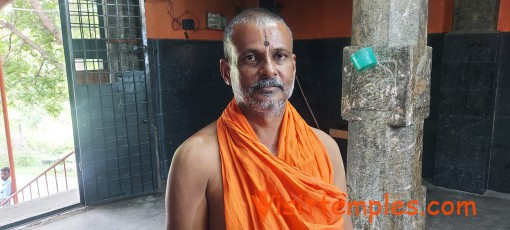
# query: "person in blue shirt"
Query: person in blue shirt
6,184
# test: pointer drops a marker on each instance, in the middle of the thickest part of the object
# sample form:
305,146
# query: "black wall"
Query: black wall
471,145
499,171
319,70
430,124
188,91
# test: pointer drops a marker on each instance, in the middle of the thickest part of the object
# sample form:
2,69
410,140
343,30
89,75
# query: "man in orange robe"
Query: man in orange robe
259,166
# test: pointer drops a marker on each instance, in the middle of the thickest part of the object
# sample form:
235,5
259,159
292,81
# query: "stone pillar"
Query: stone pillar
385,107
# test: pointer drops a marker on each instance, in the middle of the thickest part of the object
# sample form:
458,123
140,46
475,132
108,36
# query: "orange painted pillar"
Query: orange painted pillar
7,132
504,16
440,16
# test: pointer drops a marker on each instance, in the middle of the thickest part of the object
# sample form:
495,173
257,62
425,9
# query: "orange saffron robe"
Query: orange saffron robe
293,190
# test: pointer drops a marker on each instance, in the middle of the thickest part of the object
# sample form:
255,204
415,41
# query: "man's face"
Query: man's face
5,175
263,70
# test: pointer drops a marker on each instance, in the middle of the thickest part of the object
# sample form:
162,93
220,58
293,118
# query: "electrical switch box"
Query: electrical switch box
188,24
215,21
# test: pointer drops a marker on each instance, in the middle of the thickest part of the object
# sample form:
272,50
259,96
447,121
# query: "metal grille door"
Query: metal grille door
109,88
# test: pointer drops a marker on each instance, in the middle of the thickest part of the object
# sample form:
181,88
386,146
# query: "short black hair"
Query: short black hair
6,169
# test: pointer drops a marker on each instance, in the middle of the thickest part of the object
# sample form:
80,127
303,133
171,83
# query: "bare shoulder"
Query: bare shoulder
198,148
188,179
334,157
192,160
328,141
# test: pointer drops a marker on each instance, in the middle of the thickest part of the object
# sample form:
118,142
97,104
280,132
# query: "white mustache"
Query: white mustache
273,82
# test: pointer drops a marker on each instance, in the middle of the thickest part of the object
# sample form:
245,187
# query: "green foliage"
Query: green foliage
36,135
30,78
4,162
26,160
36,88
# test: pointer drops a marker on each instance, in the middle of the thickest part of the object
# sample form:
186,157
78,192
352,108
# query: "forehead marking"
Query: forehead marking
266,42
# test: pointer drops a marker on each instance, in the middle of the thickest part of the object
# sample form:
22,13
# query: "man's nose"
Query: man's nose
269,67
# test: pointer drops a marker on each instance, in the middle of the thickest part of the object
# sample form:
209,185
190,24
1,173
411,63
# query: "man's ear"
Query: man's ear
225,71
294,63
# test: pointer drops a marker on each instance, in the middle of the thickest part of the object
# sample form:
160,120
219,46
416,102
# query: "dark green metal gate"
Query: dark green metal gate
107,68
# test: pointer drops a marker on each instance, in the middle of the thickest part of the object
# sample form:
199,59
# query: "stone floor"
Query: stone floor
146,212
492,212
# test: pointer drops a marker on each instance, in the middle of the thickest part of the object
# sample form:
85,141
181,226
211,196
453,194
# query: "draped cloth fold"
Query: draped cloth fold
292,190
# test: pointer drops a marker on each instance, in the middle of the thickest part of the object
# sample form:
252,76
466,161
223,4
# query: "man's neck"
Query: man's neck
267,130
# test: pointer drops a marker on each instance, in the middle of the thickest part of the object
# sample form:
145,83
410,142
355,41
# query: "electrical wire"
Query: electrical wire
306,101
177,21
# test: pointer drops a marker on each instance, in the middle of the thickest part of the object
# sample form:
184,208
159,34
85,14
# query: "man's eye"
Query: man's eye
250,57
280,56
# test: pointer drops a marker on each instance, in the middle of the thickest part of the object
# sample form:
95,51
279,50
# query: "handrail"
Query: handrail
36,179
